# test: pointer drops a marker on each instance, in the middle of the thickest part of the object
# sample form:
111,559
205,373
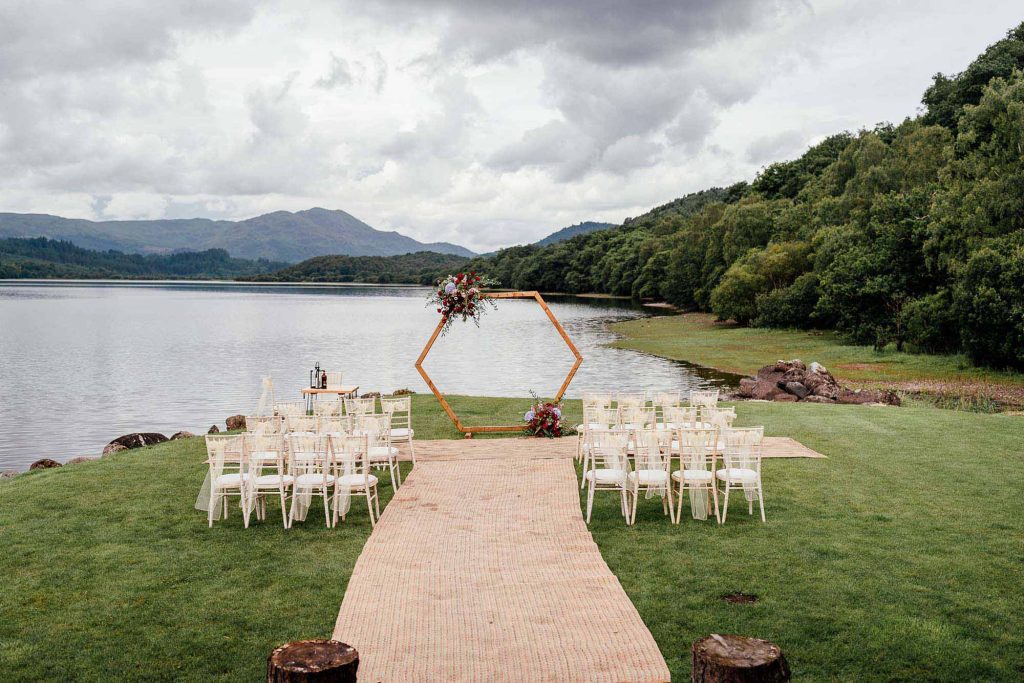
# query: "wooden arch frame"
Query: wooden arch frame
469,431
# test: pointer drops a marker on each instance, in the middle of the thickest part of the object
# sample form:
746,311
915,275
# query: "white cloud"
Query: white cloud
484,123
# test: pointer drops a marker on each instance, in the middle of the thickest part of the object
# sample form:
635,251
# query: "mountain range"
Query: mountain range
583,228
278,236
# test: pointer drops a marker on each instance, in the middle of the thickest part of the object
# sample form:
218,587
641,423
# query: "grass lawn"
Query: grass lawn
698,339
898,558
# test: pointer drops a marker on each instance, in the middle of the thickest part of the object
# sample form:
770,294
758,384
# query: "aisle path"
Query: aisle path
482,568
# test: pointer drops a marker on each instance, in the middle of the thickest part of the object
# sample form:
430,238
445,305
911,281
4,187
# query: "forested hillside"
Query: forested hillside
420,268
43,258
909,234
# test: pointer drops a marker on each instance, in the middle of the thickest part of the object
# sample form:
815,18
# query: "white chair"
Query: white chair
676,417
311,466
292,409
226,477
360,406
665,399
698,455
591,399
649,473
741,457
631,399
608,466
352,475
704,397
381,453
306,424
594,417
334,424
328,408
264,424
636,418
267,474
718,417
333,380
400,410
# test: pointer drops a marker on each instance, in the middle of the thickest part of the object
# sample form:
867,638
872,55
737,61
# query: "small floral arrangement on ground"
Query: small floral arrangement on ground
460,296
544,419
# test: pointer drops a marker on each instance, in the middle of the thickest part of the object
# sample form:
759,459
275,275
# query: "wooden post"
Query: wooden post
309,661
738,659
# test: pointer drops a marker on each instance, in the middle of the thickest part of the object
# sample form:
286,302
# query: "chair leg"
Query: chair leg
583,479
679,505
327,508
760,499
412,450
590,500
725,503
636,504
397,471
369,506
714,495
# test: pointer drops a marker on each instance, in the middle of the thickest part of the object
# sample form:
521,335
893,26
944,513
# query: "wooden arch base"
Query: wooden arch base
469,431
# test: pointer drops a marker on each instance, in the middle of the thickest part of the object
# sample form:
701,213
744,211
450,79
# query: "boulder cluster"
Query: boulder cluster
793,380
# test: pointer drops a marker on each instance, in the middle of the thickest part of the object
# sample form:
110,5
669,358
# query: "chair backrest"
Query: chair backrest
719,417
265,452
698,447
667,399
597,399
599,417
360,406
742,448
679,416
301,423
376,427
225,453
631,399
637,417
608,448
704,397
334,425
328,408
307,453
350,454
290,409
647,450
333,380
264,424
400,410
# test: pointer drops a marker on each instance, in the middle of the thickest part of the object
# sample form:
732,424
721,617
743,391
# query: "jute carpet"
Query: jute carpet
482,569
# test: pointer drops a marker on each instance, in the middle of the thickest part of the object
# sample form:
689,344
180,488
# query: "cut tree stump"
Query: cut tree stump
322,661
738,659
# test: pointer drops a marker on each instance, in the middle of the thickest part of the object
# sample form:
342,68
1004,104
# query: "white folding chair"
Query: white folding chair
264,424
400,410
312,469
665,399
594,417
608,466
704,397
352,475
360,406
267,474
381,453
328,408
650,472
302,424
226,477
698,455
631,399
290,409
741,457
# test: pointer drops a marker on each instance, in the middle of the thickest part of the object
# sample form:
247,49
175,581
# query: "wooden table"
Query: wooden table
311,393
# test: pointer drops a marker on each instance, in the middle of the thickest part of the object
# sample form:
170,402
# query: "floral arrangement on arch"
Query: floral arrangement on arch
544,419
460,296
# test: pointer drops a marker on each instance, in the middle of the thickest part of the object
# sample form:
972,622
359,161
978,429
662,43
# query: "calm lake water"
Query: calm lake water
81,363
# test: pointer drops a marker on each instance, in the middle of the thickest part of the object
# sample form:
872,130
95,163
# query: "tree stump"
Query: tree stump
322,661
738,659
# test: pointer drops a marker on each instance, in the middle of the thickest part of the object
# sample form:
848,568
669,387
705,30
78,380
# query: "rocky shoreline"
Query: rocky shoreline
793,380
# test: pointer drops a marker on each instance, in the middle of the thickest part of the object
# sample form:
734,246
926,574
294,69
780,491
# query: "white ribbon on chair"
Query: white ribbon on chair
694,447
266,404
647,449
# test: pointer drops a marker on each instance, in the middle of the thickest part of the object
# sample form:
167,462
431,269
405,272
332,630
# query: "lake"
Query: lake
83,363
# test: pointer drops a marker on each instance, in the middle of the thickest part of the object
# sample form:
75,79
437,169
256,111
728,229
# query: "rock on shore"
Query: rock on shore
135,440
792,380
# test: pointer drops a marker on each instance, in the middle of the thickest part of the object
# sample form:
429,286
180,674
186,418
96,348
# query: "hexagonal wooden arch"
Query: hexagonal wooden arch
469,431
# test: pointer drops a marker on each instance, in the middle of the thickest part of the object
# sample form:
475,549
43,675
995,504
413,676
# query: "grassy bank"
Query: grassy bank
697,338
898,558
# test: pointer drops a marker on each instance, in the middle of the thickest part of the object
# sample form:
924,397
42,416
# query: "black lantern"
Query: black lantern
314,377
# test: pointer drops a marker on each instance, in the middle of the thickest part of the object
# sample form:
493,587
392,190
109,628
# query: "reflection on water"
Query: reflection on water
83,363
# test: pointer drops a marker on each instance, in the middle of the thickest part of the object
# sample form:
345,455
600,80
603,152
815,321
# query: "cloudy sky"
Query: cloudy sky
486,123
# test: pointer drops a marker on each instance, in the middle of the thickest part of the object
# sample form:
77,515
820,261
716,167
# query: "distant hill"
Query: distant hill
421,268
278,236
44,258
573,230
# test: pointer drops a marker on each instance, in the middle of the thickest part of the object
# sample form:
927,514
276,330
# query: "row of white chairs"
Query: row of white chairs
292,467
668,462
339,416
